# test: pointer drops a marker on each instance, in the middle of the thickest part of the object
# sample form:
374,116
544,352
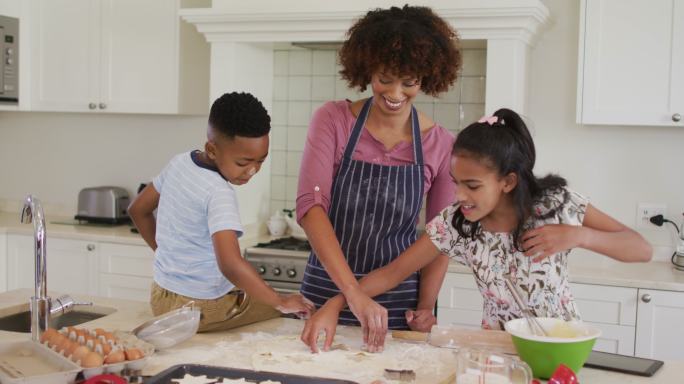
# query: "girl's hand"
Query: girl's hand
325,319
372,316
421,320
550,239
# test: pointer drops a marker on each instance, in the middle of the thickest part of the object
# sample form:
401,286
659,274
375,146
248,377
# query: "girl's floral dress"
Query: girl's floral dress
490,255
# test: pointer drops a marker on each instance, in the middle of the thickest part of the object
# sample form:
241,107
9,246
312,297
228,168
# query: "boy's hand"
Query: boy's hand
421,320
325,319
297,304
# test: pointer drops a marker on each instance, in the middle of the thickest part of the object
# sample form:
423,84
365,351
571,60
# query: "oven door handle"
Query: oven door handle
284,286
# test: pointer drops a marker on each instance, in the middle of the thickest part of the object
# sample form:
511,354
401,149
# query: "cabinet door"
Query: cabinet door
71,265
660,325
125,287
3,262
459,301
139,57
631,62
125,271
611,309
65,38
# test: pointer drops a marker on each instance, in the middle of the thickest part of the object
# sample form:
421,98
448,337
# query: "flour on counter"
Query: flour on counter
284,352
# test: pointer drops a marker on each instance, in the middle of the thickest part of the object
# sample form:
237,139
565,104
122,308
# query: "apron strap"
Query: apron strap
361,122
358,128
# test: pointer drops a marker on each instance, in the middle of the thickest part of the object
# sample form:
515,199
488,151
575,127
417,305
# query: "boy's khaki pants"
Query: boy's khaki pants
232,310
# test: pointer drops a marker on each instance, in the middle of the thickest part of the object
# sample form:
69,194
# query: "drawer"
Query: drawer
606,305
124,259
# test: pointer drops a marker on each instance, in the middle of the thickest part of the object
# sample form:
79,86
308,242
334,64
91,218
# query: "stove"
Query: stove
280,262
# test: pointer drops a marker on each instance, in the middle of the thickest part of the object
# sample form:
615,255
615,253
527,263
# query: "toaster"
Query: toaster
107,205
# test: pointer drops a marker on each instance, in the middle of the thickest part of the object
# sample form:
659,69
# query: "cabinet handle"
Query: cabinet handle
103,106
646,298
92,106
676,117
90,247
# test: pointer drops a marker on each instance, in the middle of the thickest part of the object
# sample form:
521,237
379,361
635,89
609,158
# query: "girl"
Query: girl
504,221
368,165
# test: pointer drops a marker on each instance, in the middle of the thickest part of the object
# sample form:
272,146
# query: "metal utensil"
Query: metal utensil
532,322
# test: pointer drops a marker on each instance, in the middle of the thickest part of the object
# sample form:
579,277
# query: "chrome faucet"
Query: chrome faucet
42,306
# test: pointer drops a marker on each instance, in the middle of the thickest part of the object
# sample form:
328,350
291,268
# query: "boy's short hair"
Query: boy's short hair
239,114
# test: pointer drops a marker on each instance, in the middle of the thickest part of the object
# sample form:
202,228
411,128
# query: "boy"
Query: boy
197,255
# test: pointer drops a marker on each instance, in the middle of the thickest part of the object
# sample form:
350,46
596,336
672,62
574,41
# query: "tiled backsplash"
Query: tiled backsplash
304,79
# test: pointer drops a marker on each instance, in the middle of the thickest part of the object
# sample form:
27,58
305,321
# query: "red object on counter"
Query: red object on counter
562,375
106,379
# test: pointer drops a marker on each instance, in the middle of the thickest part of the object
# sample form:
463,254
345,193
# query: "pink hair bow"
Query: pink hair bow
488,119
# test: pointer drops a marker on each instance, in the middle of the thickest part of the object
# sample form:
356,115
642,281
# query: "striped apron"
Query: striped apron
374,211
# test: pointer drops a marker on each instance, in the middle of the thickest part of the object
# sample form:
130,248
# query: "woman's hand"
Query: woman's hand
421,320
372,316
325,319
550,239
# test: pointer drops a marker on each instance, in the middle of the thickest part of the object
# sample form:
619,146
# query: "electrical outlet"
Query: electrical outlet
647,210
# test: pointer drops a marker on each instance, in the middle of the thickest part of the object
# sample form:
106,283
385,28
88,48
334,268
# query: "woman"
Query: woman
368,164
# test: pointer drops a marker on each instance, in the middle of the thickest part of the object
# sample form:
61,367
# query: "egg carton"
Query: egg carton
114,368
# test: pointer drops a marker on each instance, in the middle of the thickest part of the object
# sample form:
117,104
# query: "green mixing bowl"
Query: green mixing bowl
544,353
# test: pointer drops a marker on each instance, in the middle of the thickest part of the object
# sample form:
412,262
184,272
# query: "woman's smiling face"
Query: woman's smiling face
394,94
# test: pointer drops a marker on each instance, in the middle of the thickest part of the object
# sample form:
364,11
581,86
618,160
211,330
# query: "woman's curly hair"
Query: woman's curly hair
403,41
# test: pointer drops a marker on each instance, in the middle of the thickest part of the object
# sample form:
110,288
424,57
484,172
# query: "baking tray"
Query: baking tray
178,371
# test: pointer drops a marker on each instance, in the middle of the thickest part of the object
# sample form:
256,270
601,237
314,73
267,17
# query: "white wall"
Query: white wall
54,155
616,166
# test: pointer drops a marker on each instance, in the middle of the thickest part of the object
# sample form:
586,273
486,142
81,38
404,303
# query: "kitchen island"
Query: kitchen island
261,344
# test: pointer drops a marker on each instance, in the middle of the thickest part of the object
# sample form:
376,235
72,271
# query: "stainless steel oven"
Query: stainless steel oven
280,262
9,60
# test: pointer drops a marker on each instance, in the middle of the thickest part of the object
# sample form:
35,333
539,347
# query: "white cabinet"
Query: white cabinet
125,271
642,322
611,309
3,262
459,301
631,63
71,264
116,56
660,325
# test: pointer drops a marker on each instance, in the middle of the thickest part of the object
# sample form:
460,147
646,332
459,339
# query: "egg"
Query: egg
57,340
64,346
134,354
99,331
108,336
92,359
79,353
71,348
115,357
106,349
48,335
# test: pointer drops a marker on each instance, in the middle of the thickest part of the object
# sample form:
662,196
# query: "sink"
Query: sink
21,321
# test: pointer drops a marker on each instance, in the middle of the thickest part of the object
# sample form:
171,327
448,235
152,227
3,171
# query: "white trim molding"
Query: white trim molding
307,21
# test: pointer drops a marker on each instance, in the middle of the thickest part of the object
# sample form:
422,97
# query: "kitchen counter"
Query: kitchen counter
211,348
121,234
606,271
